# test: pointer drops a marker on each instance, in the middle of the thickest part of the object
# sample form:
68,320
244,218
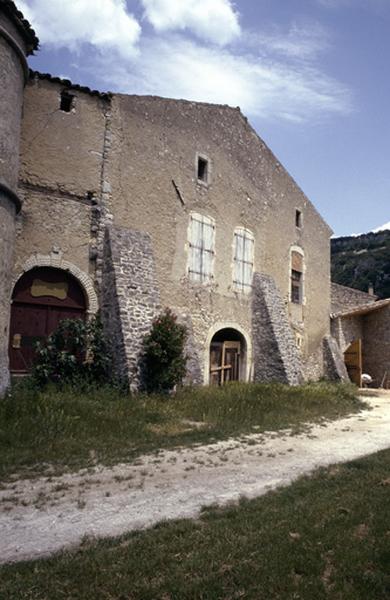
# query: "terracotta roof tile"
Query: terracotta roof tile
362,309
17,17
69,85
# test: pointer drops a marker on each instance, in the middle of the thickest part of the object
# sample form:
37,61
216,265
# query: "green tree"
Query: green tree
76,353
164,358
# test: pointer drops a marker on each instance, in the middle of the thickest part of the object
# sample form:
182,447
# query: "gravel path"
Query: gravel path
41,516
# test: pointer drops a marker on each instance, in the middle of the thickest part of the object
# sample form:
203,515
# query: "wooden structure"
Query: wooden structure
41,299
354,362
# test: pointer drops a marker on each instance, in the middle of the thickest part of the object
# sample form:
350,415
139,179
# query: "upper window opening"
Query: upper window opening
201,248
296,292
243,259
203,169
298,218
296,287
66,102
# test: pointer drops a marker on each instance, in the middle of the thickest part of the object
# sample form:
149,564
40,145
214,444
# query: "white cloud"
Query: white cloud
300,41
378,6
269,75
261,87
212,20
105,24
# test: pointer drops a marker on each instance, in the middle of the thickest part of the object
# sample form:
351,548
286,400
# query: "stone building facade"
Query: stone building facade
144,203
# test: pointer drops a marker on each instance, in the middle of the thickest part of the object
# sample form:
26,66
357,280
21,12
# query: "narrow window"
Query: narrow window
298,218
243,258
201,248
296,278
203,169
66,102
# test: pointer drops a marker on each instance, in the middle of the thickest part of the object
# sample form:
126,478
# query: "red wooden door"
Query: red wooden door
41,299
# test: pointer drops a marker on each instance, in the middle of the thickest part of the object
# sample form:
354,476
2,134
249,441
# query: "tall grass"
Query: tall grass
69,428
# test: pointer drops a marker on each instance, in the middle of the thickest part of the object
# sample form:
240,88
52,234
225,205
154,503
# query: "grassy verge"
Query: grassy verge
324,537
70,430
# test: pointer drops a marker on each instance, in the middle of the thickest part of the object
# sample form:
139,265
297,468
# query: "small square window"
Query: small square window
66,102
298,218
203,169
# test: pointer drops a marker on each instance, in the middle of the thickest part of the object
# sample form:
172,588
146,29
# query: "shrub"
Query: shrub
164,358
75,353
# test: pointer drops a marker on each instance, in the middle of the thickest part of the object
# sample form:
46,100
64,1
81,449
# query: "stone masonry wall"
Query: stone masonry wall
130,298
7,234
276,357
344,298
376,345
12,50
334,365
346,330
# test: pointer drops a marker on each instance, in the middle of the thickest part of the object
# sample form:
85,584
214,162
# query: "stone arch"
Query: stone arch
57,262
220,325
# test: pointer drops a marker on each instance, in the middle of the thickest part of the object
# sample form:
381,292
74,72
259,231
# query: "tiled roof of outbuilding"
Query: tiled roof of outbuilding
66,83
363,309
17,17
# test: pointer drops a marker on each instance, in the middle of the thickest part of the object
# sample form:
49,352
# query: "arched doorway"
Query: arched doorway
227,357
42,298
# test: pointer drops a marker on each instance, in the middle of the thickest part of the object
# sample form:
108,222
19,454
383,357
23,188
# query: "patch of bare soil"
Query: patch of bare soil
41,516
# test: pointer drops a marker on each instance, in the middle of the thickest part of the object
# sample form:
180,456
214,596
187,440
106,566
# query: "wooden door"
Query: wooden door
353,362
41,299
224,362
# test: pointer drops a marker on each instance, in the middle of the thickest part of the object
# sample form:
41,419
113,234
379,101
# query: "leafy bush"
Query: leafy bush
75,353
164,358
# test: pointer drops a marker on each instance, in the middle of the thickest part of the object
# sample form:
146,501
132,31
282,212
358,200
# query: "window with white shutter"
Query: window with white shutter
243,259
201,242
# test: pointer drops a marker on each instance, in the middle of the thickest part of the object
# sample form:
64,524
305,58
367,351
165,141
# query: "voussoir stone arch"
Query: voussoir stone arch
249,350
57,262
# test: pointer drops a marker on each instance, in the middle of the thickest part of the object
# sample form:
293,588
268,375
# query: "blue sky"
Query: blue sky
311,75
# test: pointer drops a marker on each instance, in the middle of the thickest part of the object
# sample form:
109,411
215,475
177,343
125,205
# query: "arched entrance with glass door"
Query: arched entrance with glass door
42,298
228,357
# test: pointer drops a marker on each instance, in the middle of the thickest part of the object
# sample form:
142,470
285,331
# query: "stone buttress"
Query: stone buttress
130,299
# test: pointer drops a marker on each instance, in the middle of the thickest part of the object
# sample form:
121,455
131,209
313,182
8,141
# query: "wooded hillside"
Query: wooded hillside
361,260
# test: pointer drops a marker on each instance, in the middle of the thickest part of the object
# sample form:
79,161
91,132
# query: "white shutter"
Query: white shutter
201,247
243,258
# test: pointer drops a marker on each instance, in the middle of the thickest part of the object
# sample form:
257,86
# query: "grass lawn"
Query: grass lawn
324,537
68,430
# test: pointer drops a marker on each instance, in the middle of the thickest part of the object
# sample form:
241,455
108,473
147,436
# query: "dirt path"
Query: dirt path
39,517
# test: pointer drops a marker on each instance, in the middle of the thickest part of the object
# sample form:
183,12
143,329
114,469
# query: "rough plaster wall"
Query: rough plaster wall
155,141
50,222
276,357
376,344
7,234
61,151
61,176
344,298
133,293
